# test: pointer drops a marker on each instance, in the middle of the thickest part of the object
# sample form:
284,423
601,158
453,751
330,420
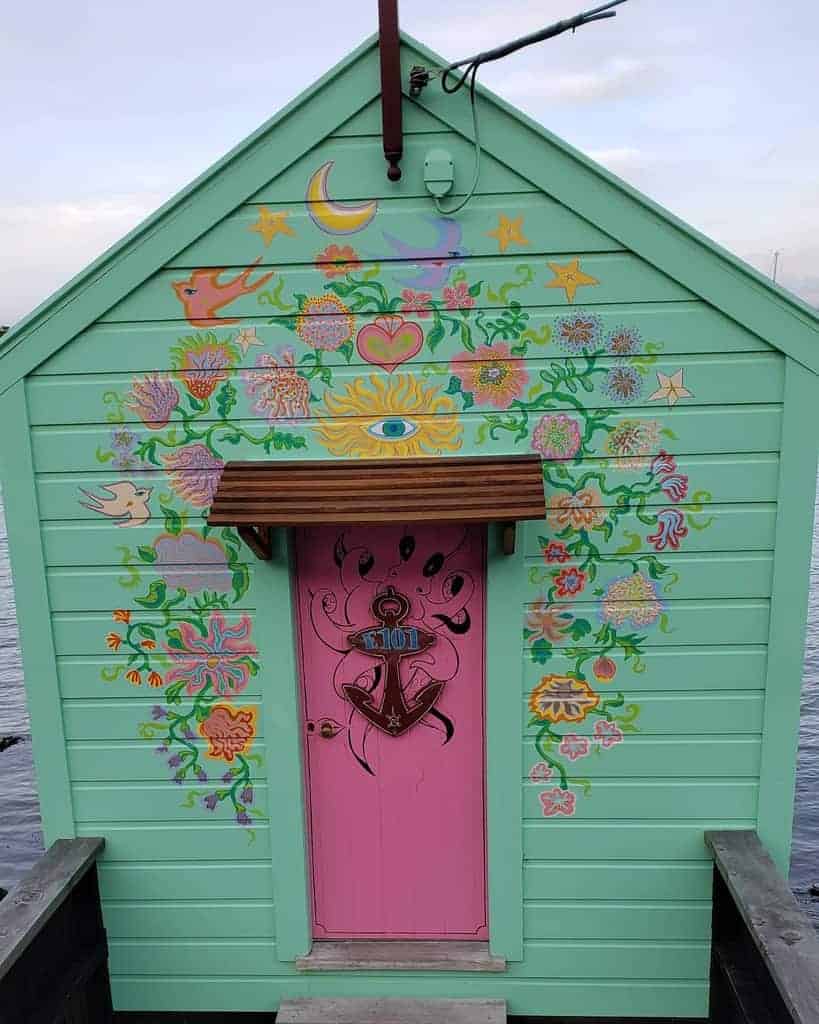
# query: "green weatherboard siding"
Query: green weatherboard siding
643,641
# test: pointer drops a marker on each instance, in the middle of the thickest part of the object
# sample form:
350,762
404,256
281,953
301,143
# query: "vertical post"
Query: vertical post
390,52
789,612
34,617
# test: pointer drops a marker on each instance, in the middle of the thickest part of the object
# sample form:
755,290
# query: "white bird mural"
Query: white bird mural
127,502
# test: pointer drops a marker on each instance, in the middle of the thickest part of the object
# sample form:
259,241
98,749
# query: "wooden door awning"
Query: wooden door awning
255,496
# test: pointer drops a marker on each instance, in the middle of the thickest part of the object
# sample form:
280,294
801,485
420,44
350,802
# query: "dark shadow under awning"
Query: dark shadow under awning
254,496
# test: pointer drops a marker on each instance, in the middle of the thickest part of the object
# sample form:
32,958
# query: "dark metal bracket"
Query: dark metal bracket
259,539
508,537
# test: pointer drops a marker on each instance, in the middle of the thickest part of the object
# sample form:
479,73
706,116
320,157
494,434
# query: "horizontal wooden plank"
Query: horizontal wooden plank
696,622
676,328
410,222
624,880
391,1011
671,669
561,959
196,880
120,719
367,121
615,798
679,714
729,528
98,589
714,380
599,920
358,169
84,633
727,478
548,997
206,956
622,277
150,841
187,919
711,575
141,801
541,959
695,431
615,839
82,678
127,761
649,757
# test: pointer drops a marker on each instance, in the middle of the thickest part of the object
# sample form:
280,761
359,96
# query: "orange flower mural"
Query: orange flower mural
113,641
581,511
229,732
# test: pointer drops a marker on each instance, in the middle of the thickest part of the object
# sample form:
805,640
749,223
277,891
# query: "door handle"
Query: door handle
327,728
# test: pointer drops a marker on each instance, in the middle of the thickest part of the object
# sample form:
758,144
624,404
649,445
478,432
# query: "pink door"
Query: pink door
391,642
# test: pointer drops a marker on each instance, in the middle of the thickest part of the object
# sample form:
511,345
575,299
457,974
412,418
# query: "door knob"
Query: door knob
327,728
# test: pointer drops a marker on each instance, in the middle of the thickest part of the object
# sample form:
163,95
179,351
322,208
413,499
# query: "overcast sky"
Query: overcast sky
109,108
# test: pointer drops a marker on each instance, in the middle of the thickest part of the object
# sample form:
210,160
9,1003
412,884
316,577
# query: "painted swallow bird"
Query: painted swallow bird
128,503
202,294
437,261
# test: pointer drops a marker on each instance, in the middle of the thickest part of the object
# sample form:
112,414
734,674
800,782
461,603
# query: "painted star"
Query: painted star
507,231
570,277
271,224
245,338
671,388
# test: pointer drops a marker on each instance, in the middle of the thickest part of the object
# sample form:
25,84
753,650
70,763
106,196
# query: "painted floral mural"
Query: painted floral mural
328,374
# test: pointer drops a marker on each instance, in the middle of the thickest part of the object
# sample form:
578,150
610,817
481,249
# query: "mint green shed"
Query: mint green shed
642,645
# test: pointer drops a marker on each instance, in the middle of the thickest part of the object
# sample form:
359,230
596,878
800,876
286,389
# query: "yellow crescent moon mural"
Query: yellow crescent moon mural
335,218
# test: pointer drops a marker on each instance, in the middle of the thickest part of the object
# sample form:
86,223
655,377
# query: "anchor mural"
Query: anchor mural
390,641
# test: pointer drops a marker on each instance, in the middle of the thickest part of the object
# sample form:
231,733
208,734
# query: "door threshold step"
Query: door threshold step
399,955
392,1011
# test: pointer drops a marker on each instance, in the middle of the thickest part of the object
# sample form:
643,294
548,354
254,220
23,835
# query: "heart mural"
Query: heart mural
389,341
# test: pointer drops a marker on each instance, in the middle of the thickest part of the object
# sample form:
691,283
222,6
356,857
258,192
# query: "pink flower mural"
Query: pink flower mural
556,437
194,474
608,733
220,659
573,746
558,801
491,375
458,297
153,399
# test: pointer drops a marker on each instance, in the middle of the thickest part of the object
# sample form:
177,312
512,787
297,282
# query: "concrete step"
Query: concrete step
392,1011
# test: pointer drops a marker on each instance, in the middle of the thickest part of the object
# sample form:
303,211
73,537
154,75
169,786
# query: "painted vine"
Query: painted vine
187,635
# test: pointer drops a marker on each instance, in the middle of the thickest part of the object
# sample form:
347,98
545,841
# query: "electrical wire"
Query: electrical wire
471,65
471,73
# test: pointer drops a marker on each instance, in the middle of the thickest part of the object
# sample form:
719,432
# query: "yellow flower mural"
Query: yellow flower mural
395,417
562,699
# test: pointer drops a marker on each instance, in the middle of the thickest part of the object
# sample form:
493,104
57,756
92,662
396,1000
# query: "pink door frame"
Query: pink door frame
396,824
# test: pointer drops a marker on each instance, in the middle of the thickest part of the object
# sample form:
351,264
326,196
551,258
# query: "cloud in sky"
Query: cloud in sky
103,123
615,79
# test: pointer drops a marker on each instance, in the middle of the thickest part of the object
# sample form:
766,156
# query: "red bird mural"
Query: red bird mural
202,295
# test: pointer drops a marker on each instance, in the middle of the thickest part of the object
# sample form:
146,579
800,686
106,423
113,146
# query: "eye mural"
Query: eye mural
353,358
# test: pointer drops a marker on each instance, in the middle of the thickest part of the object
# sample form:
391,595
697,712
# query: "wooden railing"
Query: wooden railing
765,953
53,950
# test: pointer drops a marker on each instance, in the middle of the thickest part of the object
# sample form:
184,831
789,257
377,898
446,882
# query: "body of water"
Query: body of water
21,841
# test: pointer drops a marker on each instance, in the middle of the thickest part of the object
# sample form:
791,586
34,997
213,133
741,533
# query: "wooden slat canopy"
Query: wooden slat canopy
261,495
